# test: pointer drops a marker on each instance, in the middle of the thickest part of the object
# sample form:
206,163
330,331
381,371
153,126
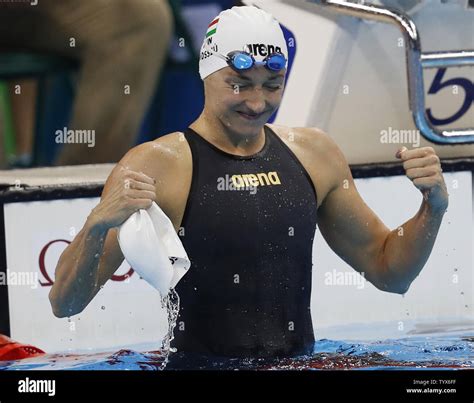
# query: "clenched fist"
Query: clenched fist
422,166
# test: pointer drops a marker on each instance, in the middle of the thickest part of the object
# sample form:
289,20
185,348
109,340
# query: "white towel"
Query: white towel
151,246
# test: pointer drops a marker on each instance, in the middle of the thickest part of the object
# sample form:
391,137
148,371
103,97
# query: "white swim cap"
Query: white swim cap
245,28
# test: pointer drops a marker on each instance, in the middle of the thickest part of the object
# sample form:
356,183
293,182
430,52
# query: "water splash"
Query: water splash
171,303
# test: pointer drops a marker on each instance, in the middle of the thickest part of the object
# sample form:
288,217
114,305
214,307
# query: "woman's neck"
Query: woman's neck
226,139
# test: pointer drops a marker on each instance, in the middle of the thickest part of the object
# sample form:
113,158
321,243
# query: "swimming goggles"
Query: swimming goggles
240,61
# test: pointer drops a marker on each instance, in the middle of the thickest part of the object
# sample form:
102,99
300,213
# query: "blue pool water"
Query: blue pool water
417,352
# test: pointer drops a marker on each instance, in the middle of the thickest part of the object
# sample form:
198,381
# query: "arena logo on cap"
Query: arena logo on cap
261,49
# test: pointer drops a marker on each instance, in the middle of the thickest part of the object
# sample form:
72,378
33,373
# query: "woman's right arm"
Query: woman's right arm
94,255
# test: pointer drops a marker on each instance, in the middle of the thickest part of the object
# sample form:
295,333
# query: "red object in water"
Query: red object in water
11,350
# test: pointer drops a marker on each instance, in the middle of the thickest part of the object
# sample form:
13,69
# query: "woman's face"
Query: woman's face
244,102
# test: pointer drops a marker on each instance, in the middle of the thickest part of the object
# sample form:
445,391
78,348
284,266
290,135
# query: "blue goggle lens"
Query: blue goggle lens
241,61
276,62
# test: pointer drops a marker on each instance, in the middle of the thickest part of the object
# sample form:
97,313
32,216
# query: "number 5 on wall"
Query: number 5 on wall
438,85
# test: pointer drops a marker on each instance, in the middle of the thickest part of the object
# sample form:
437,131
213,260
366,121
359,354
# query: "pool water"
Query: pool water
418,352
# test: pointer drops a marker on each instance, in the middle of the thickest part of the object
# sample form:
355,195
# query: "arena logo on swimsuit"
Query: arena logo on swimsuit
259,179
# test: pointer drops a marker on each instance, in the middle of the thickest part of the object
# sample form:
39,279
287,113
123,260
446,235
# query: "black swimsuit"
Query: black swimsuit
248,229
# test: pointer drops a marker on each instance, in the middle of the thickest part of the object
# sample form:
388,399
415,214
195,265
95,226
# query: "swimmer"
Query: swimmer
250,244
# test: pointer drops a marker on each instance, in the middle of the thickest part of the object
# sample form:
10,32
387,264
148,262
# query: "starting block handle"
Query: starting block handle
416,61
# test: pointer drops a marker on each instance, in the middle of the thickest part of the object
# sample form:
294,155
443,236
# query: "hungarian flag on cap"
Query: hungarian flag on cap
212,28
